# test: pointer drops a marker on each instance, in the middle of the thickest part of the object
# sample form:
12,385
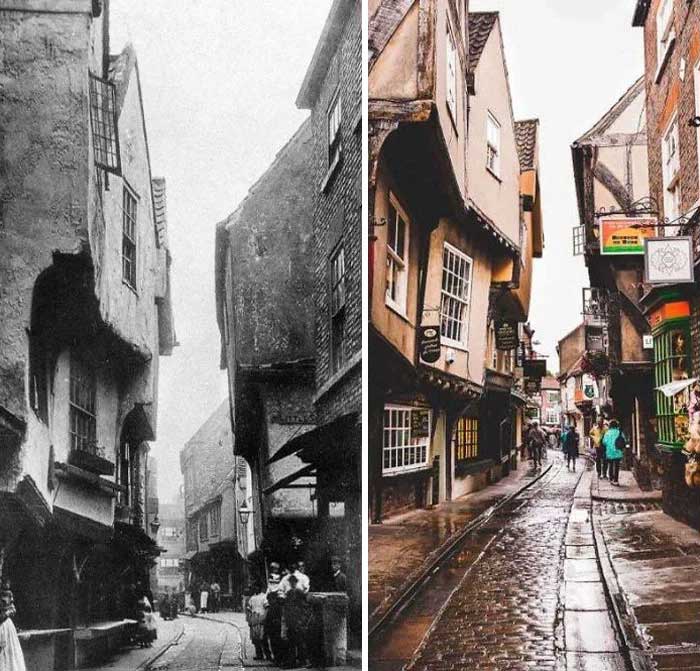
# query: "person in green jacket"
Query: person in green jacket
614,443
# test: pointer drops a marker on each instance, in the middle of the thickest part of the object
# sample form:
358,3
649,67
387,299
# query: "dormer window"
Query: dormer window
493,145
665,32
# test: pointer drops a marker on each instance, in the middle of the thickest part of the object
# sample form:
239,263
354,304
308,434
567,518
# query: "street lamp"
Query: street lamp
155,525
244,512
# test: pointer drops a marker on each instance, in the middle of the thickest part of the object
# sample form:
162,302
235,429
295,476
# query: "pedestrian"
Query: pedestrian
256,616
11,655
297,615
165,605
614,442
571,447
537,443
596,435
204,598
195,594
339,579
273,620
215,597
146,631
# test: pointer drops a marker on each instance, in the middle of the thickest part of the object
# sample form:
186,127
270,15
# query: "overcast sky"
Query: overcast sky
219,80
568,63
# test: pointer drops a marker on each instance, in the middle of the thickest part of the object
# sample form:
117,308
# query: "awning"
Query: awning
672,388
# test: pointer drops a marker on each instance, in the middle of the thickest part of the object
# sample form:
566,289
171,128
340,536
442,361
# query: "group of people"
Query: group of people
169,604
282,624
536,440
206,597
609,444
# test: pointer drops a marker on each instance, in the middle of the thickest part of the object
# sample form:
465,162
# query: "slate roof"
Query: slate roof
480,26
160,210
526,140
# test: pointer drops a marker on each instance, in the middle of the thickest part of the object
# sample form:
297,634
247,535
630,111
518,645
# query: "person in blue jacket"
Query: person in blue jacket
614,442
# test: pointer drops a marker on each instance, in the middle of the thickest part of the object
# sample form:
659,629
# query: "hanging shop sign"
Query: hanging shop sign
420,423
595,338
625,236
429,343
507,337
589,386
668,260
648,341
533,385
535,368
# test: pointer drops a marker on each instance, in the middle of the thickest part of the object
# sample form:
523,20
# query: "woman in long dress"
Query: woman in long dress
11,656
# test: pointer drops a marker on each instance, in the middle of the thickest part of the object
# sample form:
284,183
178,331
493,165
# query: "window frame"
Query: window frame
78,410
395,262
104,124
130,237
417,450
670,174
665,31
338,298
463,342
334,129
451,77
214,521
493,145
465,427
203,527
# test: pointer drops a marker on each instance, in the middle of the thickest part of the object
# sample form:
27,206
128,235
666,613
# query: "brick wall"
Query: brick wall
337,217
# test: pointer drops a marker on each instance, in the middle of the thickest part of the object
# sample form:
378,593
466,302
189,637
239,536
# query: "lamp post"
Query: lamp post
244,512
155,525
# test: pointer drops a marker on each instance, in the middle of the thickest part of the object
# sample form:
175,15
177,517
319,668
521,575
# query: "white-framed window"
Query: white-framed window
129,219
455,296
493,144
83,406
465,439
337,280
670,151
334,134
402,450
397,257
451,73
551,416
665,32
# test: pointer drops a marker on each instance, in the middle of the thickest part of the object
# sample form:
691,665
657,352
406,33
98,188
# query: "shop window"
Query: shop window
83,418
406,438
451,74
396,258
455,296
337,280
672,364
203,528
129,238
465,439
334,134
215,520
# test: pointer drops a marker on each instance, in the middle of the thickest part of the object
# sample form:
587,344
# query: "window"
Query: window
451,76
215,520
83,419
551,416
191,535
337,278
553,397
129,238
454,300
334,134
168,562
103,119
671,166
405,447
672,363
396,258
203,528
493,144
465,439
665,33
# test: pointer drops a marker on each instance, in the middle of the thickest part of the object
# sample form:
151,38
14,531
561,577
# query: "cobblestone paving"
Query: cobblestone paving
505,614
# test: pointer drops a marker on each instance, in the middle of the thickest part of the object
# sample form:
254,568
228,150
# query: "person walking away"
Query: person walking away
215,597
614,442
273,620
11,655
596,435
296,615
204,599
165,605
571,447
256,615
538,443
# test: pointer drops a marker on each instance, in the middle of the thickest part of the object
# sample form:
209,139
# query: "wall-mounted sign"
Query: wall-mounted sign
668,260
621,236
648,341
429,343
420,423
535,368
533,385
506,335
595,340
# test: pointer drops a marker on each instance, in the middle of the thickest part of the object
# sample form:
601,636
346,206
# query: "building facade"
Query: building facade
170,571
85,317
671,31
448,254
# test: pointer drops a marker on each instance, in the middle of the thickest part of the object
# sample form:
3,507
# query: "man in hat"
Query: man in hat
339,578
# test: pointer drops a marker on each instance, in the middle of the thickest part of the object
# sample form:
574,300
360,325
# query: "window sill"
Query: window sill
130,287
664,62
413,470
453,344
494,175
332,169
398,310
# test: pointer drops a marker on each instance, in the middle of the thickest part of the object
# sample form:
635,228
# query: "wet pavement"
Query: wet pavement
524,592
409,540
628,490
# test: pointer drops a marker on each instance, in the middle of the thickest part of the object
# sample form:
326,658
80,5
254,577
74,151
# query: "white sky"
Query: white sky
568,61
219,80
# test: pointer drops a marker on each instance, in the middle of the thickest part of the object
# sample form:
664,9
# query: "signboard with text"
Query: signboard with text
625,236
535,368
420,423
507,337
429,343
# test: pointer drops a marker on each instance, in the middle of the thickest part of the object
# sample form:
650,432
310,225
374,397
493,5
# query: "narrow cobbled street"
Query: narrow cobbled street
523,591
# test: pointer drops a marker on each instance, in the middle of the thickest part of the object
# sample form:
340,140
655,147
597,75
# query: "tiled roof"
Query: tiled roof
160,210
526,140
480,26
